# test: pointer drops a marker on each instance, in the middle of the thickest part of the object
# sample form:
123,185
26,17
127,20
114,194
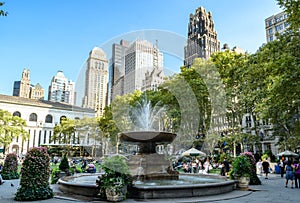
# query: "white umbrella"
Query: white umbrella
193,152
288,153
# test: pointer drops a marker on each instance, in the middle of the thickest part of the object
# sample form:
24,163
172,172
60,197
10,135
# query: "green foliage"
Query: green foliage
64,164
10,168
10,128
54,175
254,180
264,156
116,175
35,172
2,13
292,8
241,167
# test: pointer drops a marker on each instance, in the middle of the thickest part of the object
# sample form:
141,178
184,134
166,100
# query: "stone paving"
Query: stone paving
272,190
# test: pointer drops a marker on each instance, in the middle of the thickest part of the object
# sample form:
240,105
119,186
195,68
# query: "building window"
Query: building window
49,119
270,31
17,113
33,117
62,118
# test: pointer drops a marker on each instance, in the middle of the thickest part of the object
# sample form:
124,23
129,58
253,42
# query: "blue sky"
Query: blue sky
47,36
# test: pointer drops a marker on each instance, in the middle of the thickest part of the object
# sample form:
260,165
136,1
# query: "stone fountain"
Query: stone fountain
146,120
153,176
155,166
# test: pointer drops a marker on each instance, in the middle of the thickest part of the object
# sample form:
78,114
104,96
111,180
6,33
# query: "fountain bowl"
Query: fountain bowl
157,137
186,186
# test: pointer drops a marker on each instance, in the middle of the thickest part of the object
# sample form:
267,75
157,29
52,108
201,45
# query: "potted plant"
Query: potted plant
115,179
241,171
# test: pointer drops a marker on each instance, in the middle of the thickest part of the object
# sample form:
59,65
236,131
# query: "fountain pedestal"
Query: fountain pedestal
155,166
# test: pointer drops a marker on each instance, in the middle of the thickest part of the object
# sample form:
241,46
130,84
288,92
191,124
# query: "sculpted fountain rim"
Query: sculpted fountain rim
155,191
147,136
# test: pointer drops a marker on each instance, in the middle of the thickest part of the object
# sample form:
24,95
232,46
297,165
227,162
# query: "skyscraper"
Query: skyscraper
141,58
118,68
61,90
24,89
96,81
202,37
275,24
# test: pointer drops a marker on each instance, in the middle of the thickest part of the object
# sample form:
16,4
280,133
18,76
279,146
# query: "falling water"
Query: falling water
145,117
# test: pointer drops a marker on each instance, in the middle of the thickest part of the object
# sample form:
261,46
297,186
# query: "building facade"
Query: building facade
141,58
37,92
275,24
264,129
61,89
41,117
118,68
24,89
202,37
96,81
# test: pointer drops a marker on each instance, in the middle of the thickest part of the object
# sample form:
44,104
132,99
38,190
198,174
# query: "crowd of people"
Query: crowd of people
197,165
287,167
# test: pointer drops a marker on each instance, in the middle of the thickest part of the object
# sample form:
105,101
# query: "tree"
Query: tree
89,134
292,8
231,67
64,133
2,13
10,128
279,62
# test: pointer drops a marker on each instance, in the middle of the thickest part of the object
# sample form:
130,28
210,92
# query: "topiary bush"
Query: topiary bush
254,180
35,172
64,164
10,168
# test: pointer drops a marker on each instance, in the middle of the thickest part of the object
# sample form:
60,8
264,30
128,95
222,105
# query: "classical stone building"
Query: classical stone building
263,128
96,81
202,37
275,24
41,116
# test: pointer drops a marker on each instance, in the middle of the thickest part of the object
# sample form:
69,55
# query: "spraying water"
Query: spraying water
147,117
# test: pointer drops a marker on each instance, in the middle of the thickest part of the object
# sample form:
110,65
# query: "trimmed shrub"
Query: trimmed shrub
35,172
254,180
10,168
64,164
54,175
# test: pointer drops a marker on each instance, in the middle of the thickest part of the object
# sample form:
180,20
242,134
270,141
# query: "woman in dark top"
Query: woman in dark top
266,166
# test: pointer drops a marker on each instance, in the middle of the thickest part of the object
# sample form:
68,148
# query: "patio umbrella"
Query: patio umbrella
193,152
288,153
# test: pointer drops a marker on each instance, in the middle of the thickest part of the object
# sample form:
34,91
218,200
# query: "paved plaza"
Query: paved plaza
272,190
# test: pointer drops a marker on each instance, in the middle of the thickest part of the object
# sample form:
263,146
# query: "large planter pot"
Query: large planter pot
114,195
243,182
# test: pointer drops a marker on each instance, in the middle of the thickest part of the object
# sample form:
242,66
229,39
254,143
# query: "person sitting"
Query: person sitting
91,168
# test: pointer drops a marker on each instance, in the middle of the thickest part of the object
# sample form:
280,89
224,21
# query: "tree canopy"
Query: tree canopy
10,128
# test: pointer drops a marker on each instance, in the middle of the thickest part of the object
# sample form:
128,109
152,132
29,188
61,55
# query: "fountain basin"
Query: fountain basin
147,137
83,184
188,185
182,190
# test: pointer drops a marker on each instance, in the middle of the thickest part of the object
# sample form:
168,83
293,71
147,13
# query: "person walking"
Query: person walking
289,174
266,166
226,165
259,167
297,174
281,165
